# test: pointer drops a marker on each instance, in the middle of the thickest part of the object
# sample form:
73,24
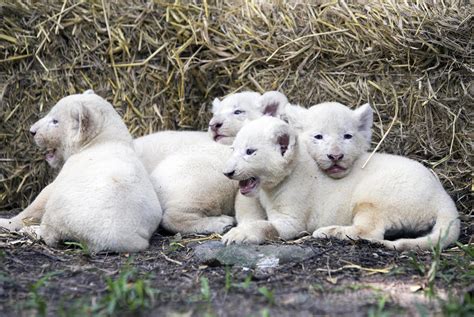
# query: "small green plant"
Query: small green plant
126,293
36,301
228,279
379,310
434,267
268,294
82,246
317,287
455,306
246,283
265,312
468,249
417,265
175,246
205,289
72,307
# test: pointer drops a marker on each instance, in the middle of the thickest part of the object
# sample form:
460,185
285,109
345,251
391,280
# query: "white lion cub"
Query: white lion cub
315,183
228,117
102,195
393,199
195,196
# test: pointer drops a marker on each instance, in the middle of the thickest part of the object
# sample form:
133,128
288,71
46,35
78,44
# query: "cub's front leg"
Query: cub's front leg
34,211
288,223
252,226
256,226
252,233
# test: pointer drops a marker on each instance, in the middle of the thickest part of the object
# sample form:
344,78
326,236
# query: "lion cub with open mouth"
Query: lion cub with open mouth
314,181
103,195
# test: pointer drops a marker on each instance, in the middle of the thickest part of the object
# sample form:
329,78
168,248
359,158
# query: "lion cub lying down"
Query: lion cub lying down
102,196
195,196
229,114
315,182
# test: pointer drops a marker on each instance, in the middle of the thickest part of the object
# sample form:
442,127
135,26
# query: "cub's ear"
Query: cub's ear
364,115
88,92
295,116
87,122
284,138
272,103
215,105
284,141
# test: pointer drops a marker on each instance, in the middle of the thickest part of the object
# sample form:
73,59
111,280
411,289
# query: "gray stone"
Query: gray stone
263,256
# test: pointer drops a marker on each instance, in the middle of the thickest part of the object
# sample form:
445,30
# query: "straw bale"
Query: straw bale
161,63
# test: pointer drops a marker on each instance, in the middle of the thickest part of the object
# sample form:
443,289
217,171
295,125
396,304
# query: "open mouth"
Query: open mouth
248,185
217,137
50,155
334,169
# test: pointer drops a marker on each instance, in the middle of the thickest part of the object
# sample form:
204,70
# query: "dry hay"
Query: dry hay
162,63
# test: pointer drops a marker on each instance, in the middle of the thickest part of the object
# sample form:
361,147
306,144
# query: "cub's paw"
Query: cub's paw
33,231
220,224
239,235
330,231
49,236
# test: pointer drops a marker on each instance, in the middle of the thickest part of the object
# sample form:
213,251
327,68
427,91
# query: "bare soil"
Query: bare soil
353,278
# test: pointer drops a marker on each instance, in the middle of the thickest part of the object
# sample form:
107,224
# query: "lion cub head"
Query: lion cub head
336,136
262,152
73,123
231,113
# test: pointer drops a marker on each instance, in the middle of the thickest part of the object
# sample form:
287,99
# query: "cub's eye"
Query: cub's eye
238,111
250,151
347,136
318,136
55,121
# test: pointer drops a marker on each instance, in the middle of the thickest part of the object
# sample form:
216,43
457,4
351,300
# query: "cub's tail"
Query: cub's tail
445,231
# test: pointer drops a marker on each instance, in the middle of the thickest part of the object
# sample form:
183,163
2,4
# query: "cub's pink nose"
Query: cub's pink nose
215,126
335,157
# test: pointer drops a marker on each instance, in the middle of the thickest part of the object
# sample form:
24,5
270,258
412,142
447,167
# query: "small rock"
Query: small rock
268,262
263,256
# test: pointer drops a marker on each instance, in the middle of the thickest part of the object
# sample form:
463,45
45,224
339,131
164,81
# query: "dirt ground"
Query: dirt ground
342,278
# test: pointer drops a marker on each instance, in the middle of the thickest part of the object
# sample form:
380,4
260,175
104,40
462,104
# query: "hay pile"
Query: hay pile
162,63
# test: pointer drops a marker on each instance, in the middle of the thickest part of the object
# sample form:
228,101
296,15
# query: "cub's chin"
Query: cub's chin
226,140
221,138
54,160
53,156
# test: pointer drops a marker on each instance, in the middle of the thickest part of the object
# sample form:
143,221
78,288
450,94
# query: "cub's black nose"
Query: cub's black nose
215,126
229,174
335,157
32,132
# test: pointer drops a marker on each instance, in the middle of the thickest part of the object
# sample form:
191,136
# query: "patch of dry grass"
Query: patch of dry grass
161,63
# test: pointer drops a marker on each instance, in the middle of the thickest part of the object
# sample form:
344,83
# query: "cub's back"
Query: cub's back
103,175
396,181
153,148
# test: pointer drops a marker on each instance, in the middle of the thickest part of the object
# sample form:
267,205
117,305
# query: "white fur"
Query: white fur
230,114
302,192
195,196
102,195
152,149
